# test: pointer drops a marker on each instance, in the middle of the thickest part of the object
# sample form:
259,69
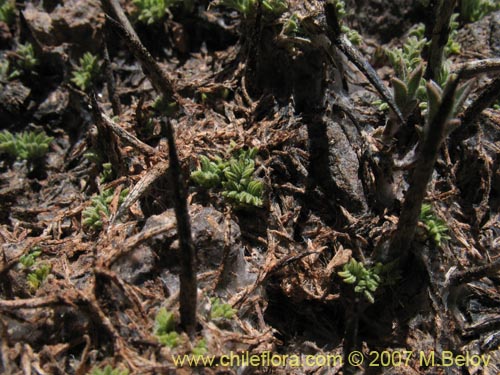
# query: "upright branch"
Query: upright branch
435,133
440,35
188,290
334,33
117,19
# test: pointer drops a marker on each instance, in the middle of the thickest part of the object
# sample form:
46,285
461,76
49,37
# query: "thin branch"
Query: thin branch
117,19
473,274
422,173
128,138
339,40
471,69
439,39
468,118
188,287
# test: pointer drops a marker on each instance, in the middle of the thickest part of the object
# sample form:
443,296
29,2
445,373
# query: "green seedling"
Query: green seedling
365,281
29,146
164,107
7,11
6,73
452,46
210,173
235,176
351,34
436,228
29,260
200,348
474,10
26,59
107,173
108,370
85,75
164,328
38,276
239,185
152,11
291,26
221,310
92,216
247,7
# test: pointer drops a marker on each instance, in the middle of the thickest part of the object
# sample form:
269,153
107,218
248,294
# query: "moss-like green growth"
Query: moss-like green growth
92,216
152,11
7,73
436,228
26,59
200,348
474,10
365,281
38,276
247,7
7,11
85,75
28,260
221,310
164,328
235,176
29,146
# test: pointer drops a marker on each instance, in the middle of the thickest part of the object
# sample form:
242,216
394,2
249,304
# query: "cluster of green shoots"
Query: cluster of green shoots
365,280
151,11
87,72
24,61
37,272
164,328
108,370
235,176
221,310
409,86
30,146
351,34
436,228
154,11
247,7
7,11
474,10
93,215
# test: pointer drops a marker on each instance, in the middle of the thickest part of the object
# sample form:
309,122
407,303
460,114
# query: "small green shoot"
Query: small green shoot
474,10
365,281
210,173
85,75
29,146
7,11
152,11
108,370
107,173
221,310
235,176
436,228
29,260
6,73
26,59
247,7
200,348
164,328
92,216
38,276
